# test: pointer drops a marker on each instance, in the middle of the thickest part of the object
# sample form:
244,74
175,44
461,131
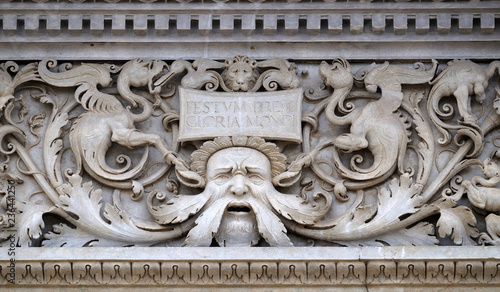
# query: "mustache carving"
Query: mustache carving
265,204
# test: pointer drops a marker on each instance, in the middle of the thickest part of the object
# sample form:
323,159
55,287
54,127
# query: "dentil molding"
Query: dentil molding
98,30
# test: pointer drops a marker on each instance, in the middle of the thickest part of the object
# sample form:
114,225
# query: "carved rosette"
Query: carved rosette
247,152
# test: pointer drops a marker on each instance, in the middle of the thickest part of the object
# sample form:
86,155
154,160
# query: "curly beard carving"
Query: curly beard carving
239,186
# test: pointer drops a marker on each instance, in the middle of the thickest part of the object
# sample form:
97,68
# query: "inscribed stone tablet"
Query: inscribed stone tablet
273,115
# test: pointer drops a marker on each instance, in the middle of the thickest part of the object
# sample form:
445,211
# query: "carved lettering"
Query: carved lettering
270,114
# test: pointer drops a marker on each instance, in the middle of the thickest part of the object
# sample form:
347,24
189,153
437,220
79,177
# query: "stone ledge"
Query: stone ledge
362,51
414,267
312,31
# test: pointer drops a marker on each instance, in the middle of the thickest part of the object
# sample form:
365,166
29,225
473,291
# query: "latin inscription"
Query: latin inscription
274,115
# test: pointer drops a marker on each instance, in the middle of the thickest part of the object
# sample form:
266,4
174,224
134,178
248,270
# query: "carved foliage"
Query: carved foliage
364,173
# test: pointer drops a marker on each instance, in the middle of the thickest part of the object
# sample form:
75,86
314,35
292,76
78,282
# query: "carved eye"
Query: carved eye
221,178
256,178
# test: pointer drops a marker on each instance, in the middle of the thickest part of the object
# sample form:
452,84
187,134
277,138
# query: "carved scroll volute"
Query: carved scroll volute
9,84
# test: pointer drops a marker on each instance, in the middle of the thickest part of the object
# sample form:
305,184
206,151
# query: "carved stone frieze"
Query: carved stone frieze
248,152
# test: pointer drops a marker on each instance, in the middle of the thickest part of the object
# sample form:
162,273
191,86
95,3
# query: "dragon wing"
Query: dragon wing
93,100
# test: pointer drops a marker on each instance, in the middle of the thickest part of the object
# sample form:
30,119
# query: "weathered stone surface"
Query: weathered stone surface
330,150
229,125
274,115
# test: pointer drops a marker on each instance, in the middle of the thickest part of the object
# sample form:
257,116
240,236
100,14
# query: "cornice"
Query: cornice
252,27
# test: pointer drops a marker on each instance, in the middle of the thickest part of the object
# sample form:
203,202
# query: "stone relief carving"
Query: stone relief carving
239,202
105,154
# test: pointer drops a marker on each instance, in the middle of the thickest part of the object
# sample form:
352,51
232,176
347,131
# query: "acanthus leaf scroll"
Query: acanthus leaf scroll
96,153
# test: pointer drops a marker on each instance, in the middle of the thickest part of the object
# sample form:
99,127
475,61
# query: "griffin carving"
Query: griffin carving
106,120
377,126
460,78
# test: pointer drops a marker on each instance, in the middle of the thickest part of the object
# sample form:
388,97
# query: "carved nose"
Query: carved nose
240,80
239,188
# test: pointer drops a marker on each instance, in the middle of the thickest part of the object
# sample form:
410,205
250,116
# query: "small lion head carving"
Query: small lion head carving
240,74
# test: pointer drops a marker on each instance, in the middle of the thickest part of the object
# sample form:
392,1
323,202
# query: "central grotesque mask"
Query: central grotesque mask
241,178
240,204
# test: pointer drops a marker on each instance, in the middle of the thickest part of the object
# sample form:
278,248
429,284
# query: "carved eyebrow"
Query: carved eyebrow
224,169
258,170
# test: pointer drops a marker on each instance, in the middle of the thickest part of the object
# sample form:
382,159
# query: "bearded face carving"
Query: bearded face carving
239,176
240,205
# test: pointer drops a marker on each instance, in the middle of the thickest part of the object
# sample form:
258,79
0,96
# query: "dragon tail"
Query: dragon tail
387,156
99,166
92,157
374,171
